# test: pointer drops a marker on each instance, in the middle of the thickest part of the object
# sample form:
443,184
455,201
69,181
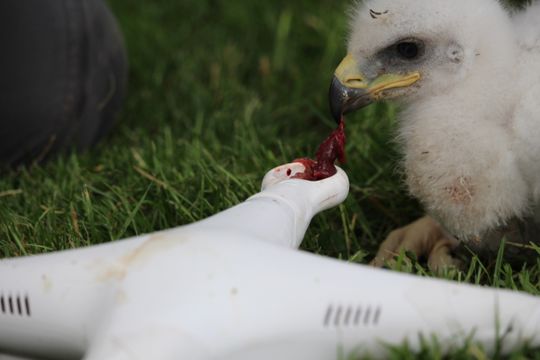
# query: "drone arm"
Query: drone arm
282,211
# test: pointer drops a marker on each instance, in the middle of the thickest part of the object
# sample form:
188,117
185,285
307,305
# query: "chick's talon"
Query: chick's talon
424,238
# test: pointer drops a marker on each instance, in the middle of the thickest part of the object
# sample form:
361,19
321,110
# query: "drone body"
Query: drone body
233,287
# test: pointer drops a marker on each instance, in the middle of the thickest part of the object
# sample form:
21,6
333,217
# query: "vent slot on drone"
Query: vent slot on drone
352,316
15,305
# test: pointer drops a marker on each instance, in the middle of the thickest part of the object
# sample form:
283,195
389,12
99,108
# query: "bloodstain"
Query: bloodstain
461,191
331,149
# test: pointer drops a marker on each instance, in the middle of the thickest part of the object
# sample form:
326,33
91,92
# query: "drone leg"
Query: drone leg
424,238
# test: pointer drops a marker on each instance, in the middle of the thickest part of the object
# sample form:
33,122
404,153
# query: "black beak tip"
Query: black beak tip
336,97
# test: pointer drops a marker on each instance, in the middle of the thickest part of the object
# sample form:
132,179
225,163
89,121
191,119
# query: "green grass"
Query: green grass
219,93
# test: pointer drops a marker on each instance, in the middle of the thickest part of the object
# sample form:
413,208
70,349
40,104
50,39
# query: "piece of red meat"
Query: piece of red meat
331,149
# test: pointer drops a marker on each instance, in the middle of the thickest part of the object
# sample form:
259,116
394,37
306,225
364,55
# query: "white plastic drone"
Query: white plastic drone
234,287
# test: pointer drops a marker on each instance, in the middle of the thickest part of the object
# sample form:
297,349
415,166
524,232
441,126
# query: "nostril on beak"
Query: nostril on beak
355,82
348,73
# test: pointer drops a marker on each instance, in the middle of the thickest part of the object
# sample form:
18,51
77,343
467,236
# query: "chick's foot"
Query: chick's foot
424,238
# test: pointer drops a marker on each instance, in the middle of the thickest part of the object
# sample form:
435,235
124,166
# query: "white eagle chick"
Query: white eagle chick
468,76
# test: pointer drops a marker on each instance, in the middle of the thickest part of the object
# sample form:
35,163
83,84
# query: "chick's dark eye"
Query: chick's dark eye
408,50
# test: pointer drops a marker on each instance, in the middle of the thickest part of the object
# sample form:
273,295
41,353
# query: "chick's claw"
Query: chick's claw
424,238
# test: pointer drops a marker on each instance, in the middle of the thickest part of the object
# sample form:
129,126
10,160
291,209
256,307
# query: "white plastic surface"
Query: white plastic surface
230,287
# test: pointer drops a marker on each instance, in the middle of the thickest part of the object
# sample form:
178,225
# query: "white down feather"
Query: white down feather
470,131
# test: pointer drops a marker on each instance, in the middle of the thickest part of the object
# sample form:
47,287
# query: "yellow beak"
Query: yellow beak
351,90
